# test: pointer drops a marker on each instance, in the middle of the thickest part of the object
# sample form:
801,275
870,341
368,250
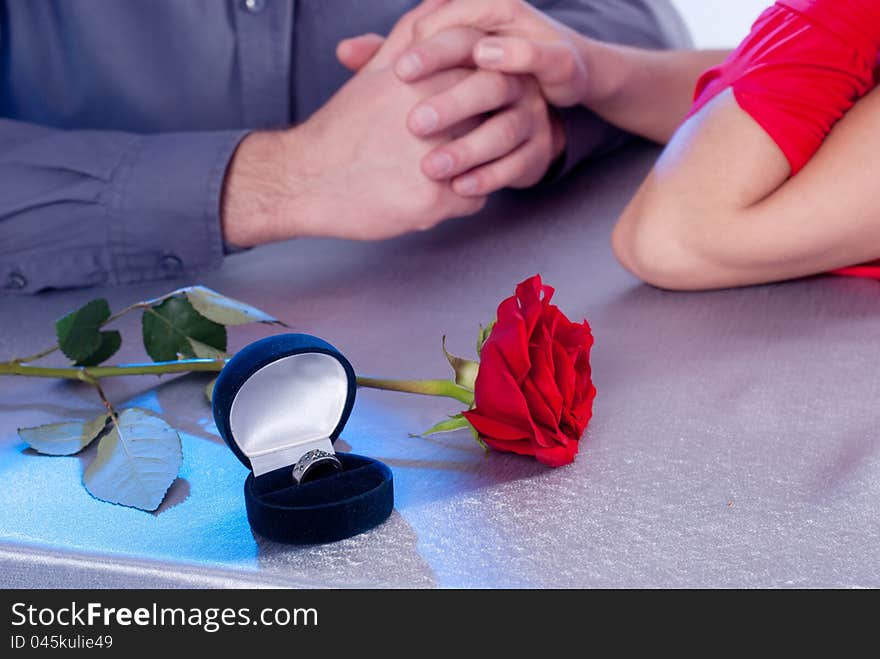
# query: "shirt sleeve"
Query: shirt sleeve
640,23
81,208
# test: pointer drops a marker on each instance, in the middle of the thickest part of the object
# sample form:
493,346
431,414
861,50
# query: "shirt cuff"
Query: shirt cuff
586,136
164,205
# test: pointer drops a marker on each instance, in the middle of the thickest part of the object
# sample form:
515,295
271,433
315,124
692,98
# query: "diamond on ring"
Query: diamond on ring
314,458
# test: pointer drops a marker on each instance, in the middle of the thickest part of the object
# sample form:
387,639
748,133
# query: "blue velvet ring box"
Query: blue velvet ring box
277,399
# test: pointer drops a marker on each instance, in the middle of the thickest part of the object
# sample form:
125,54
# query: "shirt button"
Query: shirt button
255,6
15,281
170,263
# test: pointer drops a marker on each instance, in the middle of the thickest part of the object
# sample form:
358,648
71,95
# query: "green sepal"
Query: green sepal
448,425
479,439
483,335
465,369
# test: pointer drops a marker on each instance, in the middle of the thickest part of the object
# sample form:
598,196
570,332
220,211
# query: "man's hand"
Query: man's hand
512,147
351,170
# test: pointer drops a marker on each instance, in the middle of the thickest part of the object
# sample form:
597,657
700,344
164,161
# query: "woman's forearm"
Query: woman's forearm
645,92
720,210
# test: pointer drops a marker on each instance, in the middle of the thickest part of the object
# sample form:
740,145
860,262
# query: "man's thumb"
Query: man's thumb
355,52
401,34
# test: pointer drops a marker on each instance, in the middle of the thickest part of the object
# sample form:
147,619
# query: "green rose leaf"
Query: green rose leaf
110,342
63,438
453,423
80,338
465,369
225,310
204,351
137,461
173,328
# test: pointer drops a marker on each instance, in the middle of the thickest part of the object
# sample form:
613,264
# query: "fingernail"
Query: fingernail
424,119
467,184
439,165
489,52
409,66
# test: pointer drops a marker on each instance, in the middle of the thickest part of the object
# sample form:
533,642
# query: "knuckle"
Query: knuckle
518,169
420,28
530,54
408,20
482,180
566,65
450,109
503,11
461,154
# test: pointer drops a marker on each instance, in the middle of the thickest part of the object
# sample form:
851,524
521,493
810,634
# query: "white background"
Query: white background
720,23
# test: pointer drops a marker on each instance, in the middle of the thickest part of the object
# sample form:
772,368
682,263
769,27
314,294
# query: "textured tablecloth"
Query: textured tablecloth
734,442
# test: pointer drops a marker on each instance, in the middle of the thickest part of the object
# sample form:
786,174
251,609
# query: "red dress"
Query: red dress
802,67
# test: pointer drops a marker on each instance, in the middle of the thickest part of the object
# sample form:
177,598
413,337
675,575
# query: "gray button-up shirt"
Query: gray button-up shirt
118,117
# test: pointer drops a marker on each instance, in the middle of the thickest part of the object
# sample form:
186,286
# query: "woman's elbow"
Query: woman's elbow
656,244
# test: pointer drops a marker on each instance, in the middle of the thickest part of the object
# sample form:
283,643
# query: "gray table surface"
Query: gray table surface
734,442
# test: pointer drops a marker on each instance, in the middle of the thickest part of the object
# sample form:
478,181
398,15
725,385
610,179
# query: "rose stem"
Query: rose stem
446,388
91,373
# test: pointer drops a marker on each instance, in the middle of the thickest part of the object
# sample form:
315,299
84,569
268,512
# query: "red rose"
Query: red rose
533,393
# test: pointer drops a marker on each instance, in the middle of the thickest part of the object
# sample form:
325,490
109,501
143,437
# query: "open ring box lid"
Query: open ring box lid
274,401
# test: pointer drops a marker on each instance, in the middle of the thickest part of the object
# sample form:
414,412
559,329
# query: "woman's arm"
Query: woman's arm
645,92
719,209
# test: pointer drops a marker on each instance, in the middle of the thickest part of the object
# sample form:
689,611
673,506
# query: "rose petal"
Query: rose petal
533,298
551,318
557,456
546,437
583,380
520,447
541,414
566,377
511,338
491,427
544,379
496,393
579,417
575,336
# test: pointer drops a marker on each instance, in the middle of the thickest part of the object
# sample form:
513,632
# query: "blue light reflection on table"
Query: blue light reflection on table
201,519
